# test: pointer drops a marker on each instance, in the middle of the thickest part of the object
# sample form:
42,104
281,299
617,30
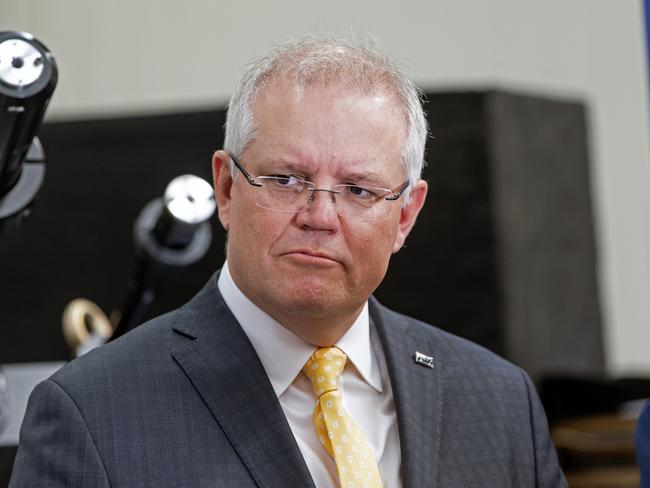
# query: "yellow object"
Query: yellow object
82,317
341,437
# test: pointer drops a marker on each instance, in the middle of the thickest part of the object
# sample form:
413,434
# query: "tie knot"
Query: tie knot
324,367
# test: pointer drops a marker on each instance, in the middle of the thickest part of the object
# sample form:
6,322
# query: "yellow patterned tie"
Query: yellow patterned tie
336,430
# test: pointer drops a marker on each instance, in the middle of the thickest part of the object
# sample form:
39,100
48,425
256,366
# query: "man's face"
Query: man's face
316,265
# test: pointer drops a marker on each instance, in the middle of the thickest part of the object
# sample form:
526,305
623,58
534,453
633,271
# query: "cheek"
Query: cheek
372,246
254,229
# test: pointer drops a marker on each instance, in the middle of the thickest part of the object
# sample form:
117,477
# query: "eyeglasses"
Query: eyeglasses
291,193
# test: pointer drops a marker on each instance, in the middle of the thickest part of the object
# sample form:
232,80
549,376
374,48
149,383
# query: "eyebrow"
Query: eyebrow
282,164
371,178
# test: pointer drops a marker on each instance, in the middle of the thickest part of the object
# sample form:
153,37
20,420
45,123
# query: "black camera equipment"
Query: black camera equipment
28,76
170,233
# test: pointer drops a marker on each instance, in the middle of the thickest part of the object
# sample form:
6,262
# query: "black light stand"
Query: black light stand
28,76
170,233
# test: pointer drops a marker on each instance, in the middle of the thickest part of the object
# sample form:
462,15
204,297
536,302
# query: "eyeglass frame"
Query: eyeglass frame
396,194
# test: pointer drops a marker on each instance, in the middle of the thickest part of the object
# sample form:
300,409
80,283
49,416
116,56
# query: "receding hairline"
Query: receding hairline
358,67
321,58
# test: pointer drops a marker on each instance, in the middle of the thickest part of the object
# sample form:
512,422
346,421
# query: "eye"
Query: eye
287,181
360,192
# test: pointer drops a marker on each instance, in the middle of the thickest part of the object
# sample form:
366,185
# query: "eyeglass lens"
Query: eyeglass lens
287,194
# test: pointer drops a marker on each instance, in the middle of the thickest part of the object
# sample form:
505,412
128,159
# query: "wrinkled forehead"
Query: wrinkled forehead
329,127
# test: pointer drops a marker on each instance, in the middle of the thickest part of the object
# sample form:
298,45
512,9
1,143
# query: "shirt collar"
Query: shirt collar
282,353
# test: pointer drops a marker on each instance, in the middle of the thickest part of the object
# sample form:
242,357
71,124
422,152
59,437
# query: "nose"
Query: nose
321,213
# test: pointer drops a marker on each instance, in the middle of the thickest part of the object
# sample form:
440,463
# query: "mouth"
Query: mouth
308,257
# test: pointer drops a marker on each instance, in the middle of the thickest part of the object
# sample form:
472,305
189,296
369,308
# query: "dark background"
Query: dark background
78,241
509,281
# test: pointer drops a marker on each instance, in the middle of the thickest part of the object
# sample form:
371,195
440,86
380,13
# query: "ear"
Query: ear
409,213
222,185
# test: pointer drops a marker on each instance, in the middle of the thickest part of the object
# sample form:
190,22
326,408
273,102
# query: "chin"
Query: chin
315,299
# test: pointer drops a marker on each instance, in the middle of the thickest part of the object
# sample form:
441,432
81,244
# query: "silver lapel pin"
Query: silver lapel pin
423,359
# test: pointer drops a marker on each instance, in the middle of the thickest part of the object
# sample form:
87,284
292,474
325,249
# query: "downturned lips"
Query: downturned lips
308,256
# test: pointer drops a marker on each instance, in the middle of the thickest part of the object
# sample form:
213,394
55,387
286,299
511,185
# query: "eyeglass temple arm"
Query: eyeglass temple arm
399,192
246,174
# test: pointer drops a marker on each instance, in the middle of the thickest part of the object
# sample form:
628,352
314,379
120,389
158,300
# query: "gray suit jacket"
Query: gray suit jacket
184,401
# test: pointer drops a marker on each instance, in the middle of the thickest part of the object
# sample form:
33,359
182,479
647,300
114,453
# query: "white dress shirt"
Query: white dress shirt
364,385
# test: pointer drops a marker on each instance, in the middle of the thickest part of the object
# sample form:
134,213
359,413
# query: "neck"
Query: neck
319,331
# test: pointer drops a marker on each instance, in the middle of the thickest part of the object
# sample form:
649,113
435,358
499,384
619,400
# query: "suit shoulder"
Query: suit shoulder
459,355
137,350
470,351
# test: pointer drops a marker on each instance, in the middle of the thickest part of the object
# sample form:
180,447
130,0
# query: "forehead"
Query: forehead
329,125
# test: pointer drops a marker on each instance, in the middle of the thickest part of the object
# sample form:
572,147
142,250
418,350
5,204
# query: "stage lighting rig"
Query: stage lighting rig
28,76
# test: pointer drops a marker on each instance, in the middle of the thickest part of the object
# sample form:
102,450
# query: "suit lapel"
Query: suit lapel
417,392
225,370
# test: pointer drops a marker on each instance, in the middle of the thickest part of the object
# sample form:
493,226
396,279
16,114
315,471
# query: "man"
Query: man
284,371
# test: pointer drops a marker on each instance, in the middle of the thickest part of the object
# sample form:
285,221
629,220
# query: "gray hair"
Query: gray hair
325,59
